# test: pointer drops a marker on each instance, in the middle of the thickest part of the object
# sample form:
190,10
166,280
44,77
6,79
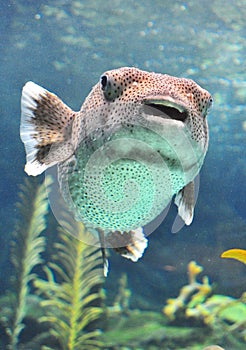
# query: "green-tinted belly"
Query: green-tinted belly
122,185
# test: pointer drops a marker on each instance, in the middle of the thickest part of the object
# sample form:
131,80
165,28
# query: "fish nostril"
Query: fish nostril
209,105
104,80
209,101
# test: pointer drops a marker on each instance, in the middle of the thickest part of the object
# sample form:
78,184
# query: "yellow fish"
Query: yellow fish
237,254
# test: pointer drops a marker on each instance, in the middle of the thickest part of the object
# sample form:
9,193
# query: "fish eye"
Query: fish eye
104,82
108,87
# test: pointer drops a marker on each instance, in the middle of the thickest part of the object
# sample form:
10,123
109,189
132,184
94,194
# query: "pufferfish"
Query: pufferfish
139,139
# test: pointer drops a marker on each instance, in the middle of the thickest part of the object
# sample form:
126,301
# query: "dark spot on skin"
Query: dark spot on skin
42,153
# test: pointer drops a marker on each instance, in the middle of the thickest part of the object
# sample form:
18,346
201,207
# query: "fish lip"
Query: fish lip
166,107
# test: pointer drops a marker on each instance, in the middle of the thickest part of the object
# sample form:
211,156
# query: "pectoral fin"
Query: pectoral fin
185,202
45,128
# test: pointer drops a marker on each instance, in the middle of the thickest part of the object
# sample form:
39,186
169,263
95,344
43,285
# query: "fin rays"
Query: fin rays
45,129
130,245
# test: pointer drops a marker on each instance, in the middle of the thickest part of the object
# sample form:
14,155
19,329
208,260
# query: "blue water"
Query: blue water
66,45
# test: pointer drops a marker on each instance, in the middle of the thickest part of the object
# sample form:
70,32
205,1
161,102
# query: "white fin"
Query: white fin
33,167
30,94
185,202
44,120
105,267
137,243
103,250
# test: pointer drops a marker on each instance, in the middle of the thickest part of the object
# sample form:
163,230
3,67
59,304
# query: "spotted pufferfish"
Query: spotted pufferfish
139,139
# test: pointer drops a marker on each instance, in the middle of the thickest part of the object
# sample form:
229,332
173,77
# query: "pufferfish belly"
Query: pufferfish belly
121,184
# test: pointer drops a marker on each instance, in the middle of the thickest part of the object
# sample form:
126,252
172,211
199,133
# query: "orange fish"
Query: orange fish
237,254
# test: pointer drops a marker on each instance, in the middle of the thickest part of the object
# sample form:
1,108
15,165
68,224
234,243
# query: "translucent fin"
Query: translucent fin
104,255
45,128
105,263
185,203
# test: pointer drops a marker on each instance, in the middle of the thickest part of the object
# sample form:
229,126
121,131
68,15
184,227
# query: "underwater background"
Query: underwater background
65,46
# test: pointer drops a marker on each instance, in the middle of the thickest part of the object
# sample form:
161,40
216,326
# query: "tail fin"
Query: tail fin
135,243
45,128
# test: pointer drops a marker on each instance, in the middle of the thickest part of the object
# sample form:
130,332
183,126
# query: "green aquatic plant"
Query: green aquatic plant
122,300
192,294
222,314
27,246
72,304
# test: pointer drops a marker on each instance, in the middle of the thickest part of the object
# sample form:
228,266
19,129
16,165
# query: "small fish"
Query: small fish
237,254
139,139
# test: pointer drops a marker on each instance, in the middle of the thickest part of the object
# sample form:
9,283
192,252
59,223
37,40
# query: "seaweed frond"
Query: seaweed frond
72,304
27,247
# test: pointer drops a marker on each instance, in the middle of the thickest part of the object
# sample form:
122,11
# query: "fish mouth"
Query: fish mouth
165,108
